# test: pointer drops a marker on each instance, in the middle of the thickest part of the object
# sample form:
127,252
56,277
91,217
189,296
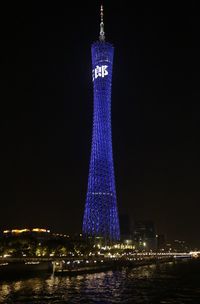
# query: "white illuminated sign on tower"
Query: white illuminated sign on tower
99,71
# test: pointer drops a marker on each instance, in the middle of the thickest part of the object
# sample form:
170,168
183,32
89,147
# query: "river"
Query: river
167,283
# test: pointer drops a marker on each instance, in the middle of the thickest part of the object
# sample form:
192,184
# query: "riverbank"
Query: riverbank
71,267
24,267
93,266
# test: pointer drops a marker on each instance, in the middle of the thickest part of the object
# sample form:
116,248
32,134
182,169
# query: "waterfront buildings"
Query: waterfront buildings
145,235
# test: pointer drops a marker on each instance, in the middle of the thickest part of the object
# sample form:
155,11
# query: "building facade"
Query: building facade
145,235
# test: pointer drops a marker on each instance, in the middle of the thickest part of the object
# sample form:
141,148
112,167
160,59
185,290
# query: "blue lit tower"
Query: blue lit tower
101,215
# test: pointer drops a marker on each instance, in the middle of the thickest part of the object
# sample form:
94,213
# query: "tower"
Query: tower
101,214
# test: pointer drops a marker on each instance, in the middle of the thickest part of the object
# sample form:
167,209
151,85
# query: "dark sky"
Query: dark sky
46,112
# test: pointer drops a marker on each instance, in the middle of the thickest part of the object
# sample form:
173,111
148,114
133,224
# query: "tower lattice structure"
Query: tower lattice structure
101,214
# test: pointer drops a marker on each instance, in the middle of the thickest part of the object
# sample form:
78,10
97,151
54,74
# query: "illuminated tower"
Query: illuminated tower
101,214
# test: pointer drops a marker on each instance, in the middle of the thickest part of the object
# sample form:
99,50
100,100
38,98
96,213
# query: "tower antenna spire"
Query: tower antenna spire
102,33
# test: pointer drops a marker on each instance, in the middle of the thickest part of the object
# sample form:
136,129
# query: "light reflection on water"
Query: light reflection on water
164,283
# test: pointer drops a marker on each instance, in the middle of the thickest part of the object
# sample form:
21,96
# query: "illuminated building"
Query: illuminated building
145,234
180,246
101,214
25,230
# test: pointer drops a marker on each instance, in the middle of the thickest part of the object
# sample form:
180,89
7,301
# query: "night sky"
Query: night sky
47,104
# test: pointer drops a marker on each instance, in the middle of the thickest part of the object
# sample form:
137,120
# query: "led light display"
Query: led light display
101,214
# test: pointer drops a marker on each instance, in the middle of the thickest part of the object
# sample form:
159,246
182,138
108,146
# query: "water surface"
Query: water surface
165,283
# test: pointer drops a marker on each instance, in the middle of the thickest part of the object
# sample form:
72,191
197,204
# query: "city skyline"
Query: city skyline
47,114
